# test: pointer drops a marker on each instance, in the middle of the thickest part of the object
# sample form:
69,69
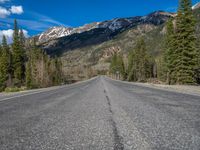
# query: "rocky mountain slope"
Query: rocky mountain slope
57,32
57,40
87,50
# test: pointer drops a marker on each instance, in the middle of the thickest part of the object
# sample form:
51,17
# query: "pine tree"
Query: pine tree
4,63
142,53
197,70
18,60
41,70
169,54
117,66
140,63
132,68
185,51
23,52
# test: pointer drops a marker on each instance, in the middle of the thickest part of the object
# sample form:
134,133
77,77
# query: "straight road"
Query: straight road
100,114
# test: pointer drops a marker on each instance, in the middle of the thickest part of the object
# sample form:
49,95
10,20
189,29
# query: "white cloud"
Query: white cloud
16,10
3,1
9,34
4,12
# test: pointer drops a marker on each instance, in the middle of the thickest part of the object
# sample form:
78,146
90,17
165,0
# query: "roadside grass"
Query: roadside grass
14,89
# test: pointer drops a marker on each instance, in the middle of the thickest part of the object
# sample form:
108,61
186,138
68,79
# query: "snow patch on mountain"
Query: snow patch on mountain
58,32
155,18
196,6
54,32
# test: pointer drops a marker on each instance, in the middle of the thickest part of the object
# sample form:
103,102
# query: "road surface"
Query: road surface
100,114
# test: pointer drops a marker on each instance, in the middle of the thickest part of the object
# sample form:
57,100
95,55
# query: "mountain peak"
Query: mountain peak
114,25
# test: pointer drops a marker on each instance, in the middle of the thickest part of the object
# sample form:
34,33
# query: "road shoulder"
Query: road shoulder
183,89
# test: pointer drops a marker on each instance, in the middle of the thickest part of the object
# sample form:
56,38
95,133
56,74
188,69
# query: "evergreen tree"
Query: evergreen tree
140,65
4,63
41,70
142,59
58,66
132,67
18,60
117,66
197,70
23,52
169,54
185,51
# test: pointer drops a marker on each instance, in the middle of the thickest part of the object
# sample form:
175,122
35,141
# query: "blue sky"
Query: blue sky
35,16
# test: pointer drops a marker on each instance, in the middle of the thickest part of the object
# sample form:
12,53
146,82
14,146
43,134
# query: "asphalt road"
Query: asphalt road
100,114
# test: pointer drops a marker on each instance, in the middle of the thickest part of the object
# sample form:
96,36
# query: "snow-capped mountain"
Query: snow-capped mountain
54,32
196,6
58,32
113,25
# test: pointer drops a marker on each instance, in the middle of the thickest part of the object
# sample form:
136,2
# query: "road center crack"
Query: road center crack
118,144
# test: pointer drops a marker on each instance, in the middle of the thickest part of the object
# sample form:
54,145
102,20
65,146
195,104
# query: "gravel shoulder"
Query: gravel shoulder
184,89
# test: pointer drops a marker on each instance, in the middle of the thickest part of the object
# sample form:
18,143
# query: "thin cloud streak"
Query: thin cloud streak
28,24
39,22
44,18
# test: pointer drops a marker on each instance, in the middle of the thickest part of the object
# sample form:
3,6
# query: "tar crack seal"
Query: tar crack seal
118,145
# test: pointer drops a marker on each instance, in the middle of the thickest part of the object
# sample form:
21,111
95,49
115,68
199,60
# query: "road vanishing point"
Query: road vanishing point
100,114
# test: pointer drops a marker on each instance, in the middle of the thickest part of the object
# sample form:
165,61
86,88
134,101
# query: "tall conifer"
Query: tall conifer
169,54
23,52
185,51
4,63
18,60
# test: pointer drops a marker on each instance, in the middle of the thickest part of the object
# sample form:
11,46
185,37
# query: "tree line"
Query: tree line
180,58
23,64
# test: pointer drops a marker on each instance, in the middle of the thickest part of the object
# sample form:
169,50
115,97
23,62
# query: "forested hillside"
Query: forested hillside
88,53
25,66
174,55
